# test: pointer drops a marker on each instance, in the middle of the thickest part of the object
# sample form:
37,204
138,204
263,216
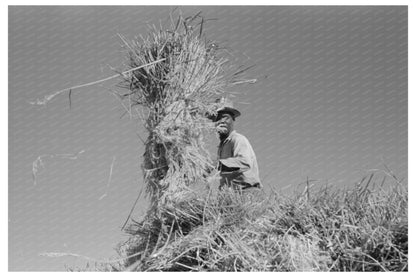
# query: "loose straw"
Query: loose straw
48,98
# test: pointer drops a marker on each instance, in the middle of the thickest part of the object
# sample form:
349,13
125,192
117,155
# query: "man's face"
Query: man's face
224,124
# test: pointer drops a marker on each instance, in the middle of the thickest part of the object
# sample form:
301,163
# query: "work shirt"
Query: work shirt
237,155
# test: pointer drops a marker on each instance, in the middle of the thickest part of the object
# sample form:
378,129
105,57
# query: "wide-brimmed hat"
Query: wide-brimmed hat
225,106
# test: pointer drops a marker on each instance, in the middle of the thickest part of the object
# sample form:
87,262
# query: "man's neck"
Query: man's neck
223,137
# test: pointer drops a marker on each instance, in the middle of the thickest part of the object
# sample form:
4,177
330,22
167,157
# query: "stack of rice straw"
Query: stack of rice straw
178,92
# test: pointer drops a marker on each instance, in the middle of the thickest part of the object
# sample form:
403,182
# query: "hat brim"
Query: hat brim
234,112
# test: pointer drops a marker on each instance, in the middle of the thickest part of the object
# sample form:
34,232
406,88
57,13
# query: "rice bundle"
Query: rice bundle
177,92
361,229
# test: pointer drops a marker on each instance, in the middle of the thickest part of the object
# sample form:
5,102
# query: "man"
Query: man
236,159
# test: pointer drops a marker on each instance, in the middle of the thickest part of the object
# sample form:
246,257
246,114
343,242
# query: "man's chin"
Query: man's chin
222,132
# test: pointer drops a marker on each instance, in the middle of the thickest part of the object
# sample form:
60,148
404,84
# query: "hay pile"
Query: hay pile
361,229
225,232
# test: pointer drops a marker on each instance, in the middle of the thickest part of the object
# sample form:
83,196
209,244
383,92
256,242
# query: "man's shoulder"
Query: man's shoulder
238,137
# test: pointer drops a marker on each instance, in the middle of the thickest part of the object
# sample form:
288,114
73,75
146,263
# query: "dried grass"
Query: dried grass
332,230
177,94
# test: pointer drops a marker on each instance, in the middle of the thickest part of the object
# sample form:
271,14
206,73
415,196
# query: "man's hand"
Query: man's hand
221,129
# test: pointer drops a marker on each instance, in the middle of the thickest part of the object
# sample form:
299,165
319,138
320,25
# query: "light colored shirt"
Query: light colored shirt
236,153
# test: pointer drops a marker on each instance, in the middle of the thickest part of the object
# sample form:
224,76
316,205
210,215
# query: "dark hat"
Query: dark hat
225,106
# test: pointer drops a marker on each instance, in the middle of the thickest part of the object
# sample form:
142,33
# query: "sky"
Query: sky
329,104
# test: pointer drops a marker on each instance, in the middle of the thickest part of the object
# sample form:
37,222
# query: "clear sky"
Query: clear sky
330,104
